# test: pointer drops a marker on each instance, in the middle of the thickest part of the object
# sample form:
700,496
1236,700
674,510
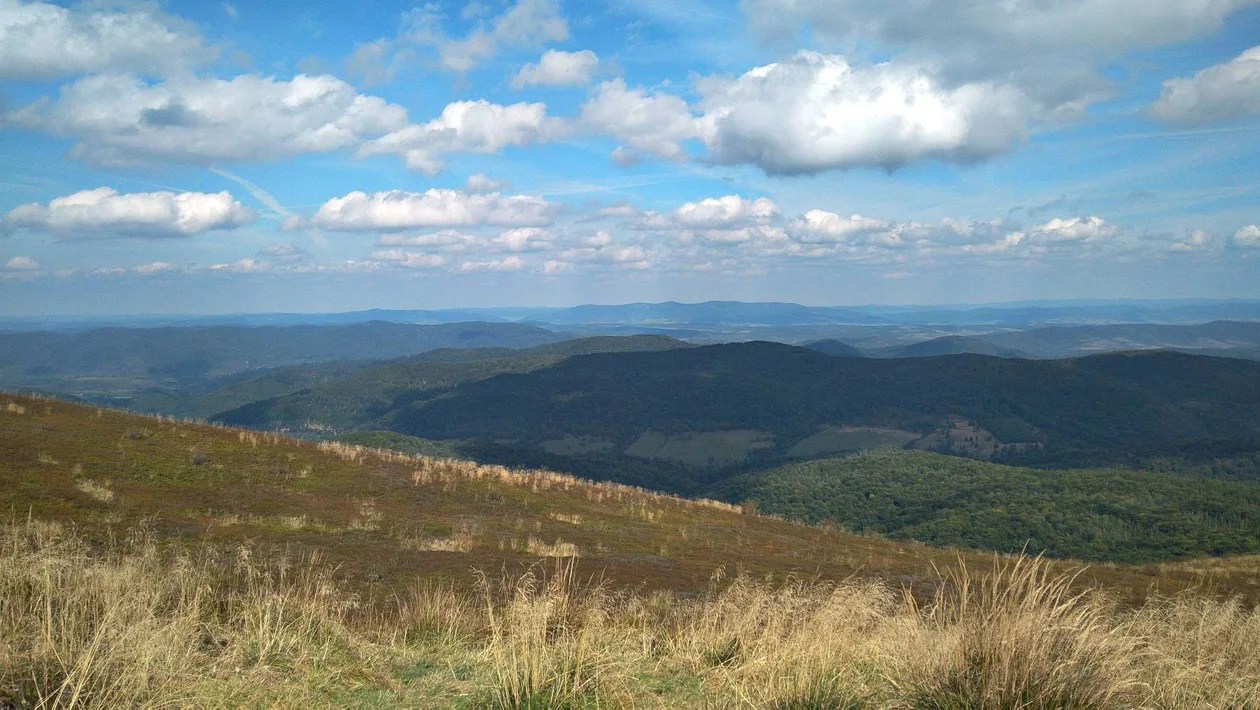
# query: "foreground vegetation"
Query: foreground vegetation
136,623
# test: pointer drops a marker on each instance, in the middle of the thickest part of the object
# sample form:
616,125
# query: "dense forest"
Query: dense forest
1115,515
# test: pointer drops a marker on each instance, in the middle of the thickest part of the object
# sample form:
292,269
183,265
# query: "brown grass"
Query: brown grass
133,623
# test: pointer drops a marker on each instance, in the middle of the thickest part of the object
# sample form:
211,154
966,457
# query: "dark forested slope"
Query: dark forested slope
1108,407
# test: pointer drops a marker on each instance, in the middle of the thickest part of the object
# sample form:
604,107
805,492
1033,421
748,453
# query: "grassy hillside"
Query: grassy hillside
152,562
111,360
359,398
1117,515
1086,411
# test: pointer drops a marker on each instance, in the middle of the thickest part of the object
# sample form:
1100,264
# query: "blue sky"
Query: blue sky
214,157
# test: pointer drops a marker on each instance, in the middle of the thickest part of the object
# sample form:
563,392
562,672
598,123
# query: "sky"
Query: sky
213,157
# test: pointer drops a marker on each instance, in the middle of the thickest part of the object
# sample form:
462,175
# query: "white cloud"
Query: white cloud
1194,240
724,212
510,263
558,68
244,266
154,268
526,23
1051,50
648,123
480,182
408,259
467,127
21,263
444,240
120,119
42,41
524,239
1027,24
436,207
820,226
1075,229
285,253
815,112
1219,93
1248,237
104,212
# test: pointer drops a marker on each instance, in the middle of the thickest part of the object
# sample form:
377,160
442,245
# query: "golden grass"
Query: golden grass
99,490
133,623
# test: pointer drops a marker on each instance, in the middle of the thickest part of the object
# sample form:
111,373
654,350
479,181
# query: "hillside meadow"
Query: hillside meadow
151,562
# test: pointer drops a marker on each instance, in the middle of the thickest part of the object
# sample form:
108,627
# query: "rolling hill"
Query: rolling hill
746,404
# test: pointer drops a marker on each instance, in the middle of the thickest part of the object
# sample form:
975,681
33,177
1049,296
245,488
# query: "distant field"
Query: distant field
709,448
837,439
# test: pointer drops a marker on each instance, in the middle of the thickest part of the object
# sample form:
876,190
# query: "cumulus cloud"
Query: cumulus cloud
21,263
121,119
104,212
398,209
1051,50
558,68
467,127
42,41
480,182
655,124
1248,237
815,112
1219,93
524,239
725,211
820,226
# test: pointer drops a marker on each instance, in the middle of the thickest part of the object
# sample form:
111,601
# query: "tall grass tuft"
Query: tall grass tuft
1020,637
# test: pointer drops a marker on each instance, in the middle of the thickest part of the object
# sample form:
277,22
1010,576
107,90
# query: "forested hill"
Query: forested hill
1087,410
356,399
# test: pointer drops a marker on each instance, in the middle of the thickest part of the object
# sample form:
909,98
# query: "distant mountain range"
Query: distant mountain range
132,358
717,315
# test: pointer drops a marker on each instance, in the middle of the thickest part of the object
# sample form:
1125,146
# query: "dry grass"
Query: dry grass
131,623
99,490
